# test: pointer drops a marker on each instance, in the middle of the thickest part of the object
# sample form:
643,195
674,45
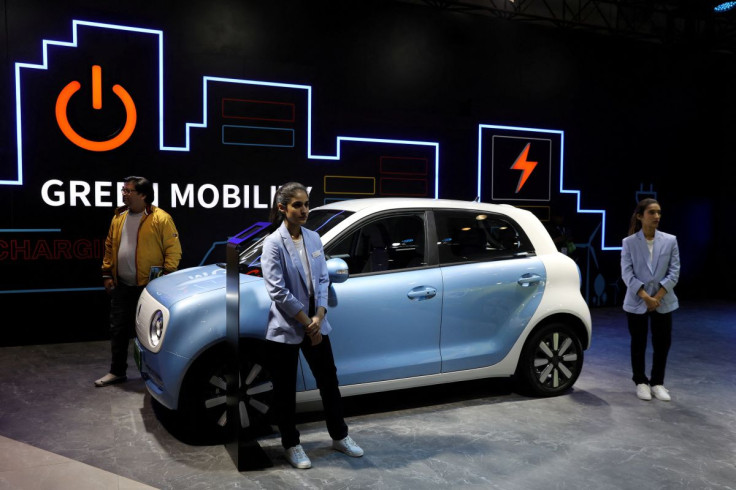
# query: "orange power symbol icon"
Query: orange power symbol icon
61,108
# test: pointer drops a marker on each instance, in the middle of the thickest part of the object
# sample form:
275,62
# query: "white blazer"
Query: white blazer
286,282
637,271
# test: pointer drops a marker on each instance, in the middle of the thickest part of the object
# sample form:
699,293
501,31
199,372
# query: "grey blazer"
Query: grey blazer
286,282
637,271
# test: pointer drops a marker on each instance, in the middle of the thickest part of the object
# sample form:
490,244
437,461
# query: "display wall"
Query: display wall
219,102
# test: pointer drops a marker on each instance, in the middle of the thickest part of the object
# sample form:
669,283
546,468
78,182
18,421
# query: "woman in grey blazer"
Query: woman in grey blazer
295,273
650,268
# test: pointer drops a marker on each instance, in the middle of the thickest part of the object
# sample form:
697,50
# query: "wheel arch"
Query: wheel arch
572,321
218,350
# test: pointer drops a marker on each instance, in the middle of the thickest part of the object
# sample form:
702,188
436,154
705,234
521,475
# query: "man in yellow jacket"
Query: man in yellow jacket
142,244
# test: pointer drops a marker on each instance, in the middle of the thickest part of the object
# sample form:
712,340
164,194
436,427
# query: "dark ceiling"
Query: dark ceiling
676,22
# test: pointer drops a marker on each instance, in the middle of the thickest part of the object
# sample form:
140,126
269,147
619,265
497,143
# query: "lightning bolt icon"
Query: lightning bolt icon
524,165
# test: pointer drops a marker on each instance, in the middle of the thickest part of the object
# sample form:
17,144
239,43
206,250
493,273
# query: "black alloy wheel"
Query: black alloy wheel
203,402
551,360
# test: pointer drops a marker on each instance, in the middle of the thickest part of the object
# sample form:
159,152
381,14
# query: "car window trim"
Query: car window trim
384,214
523,237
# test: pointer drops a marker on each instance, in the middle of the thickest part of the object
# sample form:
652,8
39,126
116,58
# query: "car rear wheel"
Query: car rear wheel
551,361
203,402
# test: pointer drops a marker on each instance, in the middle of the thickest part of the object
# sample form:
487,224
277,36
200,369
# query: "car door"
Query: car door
386,316
492,286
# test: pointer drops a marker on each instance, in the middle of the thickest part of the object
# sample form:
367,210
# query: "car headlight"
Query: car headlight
156,329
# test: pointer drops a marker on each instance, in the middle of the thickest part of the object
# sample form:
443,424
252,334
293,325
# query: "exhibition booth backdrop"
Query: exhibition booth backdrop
219,102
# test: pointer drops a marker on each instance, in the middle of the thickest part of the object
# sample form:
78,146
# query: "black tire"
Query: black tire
551,361
203,400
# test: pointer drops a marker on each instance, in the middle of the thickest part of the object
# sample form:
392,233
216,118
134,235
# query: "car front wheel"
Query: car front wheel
203,402
551,361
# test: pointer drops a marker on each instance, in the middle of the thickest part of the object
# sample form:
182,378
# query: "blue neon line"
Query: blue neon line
307,88
190,125
328,220
29,230
480,159
60,290
44,66
310,154
577,193
201,263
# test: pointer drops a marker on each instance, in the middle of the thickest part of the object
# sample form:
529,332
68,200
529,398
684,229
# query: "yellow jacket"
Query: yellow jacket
158,244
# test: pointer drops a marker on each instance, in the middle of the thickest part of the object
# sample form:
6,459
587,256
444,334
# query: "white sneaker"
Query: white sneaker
348,447
110,379
661,393
643,391
296,456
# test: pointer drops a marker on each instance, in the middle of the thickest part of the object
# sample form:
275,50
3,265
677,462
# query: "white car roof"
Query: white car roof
381,203
374,204
367,206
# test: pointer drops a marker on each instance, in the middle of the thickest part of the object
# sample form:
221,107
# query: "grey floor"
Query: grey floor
480,434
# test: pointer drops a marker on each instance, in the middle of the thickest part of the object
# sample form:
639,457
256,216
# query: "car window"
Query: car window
392,242
323,220
469,236
319,220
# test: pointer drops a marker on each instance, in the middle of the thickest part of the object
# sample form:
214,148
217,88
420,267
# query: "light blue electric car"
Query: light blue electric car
438,291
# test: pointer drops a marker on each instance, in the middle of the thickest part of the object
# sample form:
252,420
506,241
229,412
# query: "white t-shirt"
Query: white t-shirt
126,253
650,245
299,243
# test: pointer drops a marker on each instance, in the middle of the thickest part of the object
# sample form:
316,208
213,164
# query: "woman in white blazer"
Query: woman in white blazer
650,268
295,273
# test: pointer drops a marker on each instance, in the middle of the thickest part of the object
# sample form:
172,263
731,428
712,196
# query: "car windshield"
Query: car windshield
319,220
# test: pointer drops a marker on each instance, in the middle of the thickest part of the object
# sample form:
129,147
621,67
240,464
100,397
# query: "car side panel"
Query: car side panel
379,333
486,306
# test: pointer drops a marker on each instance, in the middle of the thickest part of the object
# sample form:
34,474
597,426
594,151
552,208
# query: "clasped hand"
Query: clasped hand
313,330
651,302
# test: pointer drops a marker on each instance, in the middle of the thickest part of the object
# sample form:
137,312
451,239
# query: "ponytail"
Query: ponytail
283,195
635,223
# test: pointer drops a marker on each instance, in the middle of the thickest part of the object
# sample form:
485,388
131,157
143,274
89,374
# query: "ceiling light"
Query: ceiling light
724,7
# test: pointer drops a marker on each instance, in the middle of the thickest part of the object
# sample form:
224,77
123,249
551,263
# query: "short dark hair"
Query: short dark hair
142,186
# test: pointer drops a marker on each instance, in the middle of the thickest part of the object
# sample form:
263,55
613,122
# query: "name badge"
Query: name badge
316,254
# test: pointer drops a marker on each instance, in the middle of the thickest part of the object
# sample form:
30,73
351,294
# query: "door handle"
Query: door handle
421,293
528,279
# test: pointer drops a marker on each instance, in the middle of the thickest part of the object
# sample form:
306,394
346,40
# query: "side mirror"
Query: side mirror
337,270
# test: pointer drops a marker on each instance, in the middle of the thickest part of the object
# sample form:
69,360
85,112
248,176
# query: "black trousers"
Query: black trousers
123,302
661,327
284,362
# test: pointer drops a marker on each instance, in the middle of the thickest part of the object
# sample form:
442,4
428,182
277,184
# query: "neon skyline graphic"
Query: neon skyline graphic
207,81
